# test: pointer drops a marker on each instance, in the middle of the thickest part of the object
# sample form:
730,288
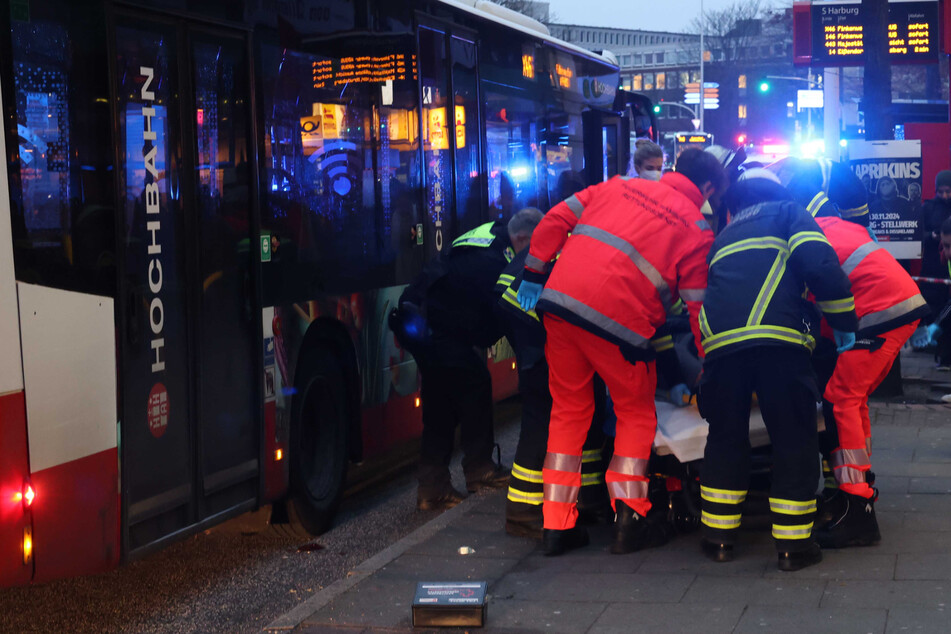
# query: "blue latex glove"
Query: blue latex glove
528,293
843,340
934,331
921,338
871,234
680,395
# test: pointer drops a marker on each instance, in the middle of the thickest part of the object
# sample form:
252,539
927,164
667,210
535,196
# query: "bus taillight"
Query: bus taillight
26,496
417,401
27,546
278,455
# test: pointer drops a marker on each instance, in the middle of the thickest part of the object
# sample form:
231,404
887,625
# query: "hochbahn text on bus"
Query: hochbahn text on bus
206,212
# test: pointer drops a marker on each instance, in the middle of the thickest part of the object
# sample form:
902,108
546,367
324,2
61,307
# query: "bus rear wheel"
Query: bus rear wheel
319,440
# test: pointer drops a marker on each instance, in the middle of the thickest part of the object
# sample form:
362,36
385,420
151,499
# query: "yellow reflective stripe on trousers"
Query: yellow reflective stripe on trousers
528,475
590,479
722,496
748,244
792,507
526,497
798,531
806,236
723,522
834,306
777,333
766,293
590,455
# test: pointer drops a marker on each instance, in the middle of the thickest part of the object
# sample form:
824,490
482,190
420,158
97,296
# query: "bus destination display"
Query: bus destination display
361,69
839,30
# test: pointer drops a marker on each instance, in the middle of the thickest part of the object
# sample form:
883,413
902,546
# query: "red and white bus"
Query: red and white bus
207,210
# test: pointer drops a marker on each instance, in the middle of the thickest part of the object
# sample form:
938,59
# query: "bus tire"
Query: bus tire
319,441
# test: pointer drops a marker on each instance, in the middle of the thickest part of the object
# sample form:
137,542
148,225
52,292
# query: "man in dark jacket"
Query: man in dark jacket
445,318
758,332
933,213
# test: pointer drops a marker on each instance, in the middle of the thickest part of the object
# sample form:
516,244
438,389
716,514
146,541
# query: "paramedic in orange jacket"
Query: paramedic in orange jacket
629,247
889,307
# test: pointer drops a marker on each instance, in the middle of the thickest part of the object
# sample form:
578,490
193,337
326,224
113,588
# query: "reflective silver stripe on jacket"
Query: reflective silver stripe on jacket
592,316
627,490
902,308
628,466
853,457
563,462
536,264
575,205
693,294
857,256
561,493
639,260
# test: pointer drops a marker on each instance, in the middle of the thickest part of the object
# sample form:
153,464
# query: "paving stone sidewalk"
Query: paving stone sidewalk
901,585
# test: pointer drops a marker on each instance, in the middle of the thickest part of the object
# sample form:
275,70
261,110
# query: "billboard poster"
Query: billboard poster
891,172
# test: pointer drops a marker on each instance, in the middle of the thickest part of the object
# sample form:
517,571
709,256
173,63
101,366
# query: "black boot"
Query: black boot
829,505
633,532
491,476
716,551
799,559
853,525
556,542
523,520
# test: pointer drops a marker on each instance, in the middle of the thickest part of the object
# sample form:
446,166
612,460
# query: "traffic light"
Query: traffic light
764,86
657,109
741,139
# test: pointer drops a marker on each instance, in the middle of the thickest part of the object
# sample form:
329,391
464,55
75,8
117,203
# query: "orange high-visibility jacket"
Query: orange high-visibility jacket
885,295
629,247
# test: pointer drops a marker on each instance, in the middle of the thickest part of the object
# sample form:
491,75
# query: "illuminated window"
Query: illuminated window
638,82
741,111
648,81
661,82
741,83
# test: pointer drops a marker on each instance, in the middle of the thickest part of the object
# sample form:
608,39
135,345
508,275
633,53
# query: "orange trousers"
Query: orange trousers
574,356
857,374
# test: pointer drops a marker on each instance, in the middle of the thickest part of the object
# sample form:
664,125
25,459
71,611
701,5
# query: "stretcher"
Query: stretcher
682,432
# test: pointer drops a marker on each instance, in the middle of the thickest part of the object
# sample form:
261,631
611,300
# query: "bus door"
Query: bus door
189,431
606,145
452,135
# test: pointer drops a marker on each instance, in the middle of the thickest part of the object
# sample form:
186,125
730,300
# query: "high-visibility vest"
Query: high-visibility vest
482,237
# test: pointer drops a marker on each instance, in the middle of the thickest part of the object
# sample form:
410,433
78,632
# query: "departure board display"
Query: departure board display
839,32
361,69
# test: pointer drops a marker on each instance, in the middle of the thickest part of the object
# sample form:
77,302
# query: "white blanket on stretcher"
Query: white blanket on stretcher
682,432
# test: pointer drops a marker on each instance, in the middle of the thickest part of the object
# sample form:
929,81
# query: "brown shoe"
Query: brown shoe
492,477
440,501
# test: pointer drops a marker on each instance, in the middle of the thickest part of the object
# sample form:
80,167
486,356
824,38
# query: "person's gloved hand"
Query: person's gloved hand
871,234
920,338
843,340
934,331
680,395
528,293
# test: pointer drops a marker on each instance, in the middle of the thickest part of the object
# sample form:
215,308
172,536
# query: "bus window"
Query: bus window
64,233
436,149
326,157
516,172
469,206
565,156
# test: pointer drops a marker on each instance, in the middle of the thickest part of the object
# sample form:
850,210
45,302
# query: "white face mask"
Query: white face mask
651,175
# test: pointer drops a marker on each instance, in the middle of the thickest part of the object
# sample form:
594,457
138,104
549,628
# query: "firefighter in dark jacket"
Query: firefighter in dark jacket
445,317
758,332
524,330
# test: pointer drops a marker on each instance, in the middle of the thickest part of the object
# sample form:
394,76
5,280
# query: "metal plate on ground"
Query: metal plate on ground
449,604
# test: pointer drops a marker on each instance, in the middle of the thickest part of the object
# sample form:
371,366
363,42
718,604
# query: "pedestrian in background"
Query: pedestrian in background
933,263
648,160
758,332
628,248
